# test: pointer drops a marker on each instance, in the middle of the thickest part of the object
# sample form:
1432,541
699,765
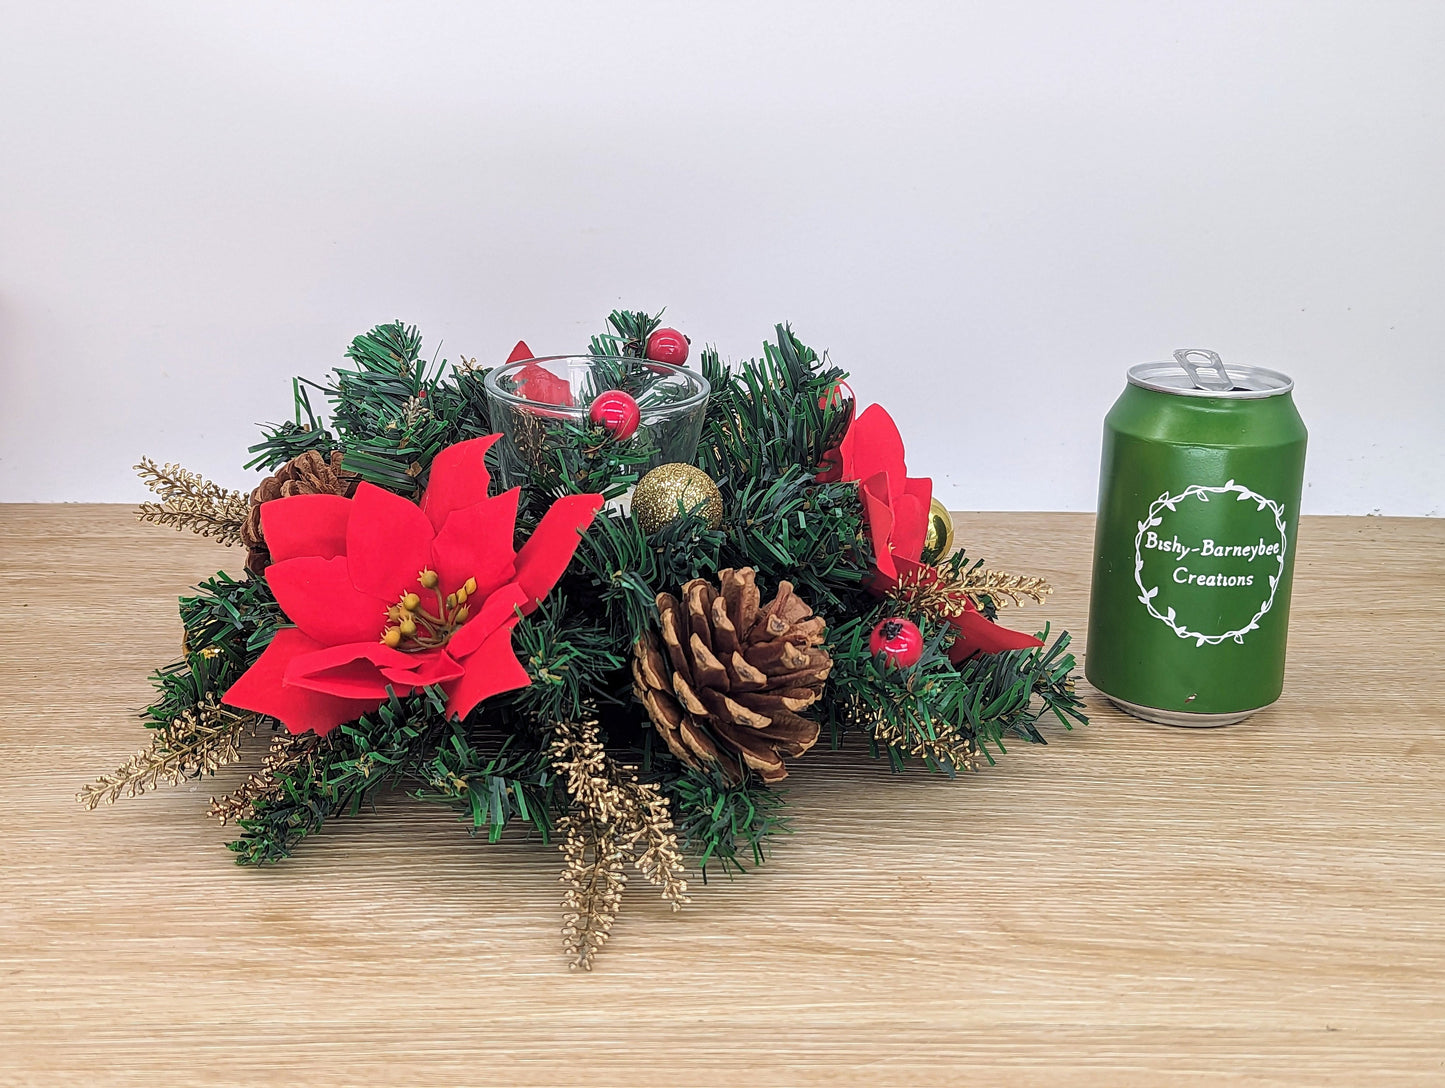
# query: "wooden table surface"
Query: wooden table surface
1131,905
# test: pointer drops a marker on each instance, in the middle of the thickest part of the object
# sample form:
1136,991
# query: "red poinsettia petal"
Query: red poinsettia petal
499,608
354,679
261,688
351,670
318,597
491,670
879,515
365,669
476,542
425,669
910,517
388,542
305,525
546,554
873,445
979,635
458,479
520,352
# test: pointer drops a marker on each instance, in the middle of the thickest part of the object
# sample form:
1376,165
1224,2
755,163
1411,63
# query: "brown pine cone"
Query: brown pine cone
724,682
309,474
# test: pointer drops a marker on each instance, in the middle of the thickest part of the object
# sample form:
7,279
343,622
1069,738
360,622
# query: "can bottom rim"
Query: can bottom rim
1183,718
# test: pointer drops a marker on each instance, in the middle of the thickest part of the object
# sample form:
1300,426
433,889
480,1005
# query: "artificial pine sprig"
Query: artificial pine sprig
391,412
379,750
231,618
791,527
904,712
564,458
771,414
389,432
282,442
491,791
627,568
628,338
1006,694
725,824
571,660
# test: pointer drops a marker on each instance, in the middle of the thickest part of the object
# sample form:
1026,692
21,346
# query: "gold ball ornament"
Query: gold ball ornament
668,491
939,540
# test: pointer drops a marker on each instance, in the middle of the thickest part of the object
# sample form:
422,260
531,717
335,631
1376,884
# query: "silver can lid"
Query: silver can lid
1199,372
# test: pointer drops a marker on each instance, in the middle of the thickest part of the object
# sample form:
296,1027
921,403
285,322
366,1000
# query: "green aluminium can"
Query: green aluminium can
1199,492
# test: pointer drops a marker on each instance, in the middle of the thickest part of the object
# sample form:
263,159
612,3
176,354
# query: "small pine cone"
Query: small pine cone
724,681
309,474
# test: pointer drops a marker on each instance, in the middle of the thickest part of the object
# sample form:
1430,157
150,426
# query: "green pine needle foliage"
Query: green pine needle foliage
726,825
227,623
491,790
392,411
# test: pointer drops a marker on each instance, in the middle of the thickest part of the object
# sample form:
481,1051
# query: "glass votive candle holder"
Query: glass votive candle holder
542,406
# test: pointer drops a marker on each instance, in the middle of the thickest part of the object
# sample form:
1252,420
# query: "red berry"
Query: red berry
667,346
617,413
898,640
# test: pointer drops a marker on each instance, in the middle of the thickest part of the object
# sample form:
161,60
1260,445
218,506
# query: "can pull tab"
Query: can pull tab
1217,382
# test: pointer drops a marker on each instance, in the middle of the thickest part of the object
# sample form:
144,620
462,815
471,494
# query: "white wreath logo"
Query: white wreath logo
1198,491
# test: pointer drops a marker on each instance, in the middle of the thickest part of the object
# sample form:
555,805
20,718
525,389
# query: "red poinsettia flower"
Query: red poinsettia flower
389,594
896,508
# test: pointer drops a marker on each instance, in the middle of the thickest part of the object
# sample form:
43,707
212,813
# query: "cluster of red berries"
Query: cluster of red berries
616,412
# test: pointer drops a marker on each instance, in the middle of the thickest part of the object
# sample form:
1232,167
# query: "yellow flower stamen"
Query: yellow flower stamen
413,627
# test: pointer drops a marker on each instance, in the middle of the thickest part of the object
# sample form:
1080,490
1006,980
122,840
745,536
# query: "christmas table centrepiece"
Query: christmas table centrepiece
633,683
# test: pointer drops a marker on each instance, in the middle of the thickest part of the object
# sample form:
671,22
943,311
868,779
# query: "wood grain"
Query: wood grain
1131,905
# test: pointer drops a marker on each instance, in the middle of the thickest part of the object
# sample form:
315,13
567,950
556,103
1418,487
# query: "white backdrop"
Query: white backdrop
986,211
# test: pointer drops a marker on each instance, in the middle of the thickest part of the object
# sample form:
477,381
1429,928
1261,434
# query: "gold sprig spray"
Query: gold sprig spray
196,742
286,754
614,818
944,592
190,501
908,733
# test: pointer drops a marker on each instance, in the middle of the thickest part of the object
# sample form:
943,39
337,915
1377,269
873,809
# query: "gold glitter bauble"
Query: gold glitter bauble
939,540
658,495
